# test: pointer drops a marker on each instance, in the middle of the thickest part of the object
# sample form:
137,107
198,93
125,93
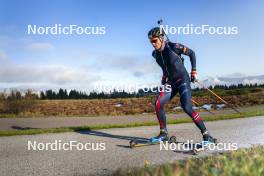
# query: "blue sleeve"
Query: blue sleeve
186,51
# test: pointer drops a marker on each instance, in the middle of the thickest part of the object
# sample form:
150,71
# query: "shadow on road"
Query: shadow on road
22,128
103,134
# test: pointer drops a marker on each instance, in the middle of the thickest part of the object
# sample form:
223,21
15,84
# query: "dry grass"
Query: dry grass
98,107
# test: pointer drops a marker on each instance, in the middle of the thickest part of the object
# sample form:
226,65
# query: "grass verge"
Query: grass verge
151,123
248,161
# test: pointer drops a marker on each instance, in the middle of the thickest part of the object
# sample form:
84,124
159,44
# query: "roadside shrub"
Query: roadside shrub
15,103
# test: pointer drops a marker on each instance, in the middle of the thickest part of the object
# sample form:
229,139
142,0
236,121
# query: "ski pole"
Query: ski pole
196,103
231,106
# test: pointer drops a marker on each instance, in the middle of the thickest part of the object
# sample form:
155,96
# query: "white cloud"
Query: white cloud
90,67
45,75
230,79
38,46
135,66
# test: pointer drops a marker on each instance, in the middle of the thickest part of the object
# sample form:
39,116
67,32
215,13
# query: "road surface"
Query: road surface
16,159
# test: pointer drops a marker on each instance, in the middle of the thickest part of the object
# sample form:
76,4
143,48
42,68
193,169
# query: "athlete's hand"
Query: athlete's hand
164,80
193,76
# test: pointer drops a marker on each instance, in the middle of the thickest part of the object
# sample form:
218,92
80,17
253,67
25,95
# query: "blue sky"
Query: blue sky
123,54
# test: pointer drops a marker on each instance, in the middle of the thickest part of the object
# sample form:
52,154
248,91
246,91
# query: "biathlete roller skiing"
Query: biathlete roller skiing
168,57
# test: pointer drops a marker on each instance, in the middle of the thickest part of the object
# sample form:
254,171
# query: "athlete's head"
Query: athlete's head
156,37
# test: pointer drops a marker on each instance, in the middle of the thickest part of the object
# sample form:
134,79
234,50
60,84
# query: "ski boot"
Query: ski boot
163,136
207,139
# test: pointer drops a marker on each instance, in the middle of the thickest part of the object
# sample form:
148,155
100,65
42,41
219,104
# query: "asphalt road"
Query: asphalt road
16,159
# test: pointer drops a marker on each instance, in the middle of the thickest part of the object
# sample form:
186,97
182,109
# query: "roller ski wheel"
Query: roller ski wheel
173,139
203,145
133,143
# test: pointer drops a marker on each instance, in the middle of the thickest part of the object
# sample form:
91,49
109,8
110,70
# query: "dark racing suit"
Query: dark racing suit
176,75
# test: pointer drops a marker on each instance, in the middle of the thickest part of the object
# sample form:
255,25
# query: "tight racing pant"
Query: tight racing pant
165,96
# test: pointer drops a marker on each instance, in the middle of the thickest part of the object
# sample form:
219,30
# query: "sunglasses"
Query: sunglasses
154,40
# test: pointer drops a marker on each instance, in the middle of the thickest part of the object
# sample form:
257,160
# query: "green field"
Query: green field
243,162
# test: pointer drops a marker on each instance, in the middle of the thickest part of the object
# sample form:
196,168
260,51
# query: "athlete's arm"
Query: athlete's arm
188,52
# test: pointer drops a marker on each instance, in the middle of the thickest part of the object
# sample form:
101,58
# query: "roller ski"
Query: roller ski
162,137
207,140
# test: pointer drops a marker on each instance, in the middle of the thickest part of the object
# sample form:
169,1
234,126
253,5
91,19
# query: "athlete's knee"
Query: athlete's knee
187,107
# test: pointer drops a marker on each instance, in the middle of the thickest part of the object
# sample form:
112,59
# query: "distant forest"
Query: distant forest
74,94
63,94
